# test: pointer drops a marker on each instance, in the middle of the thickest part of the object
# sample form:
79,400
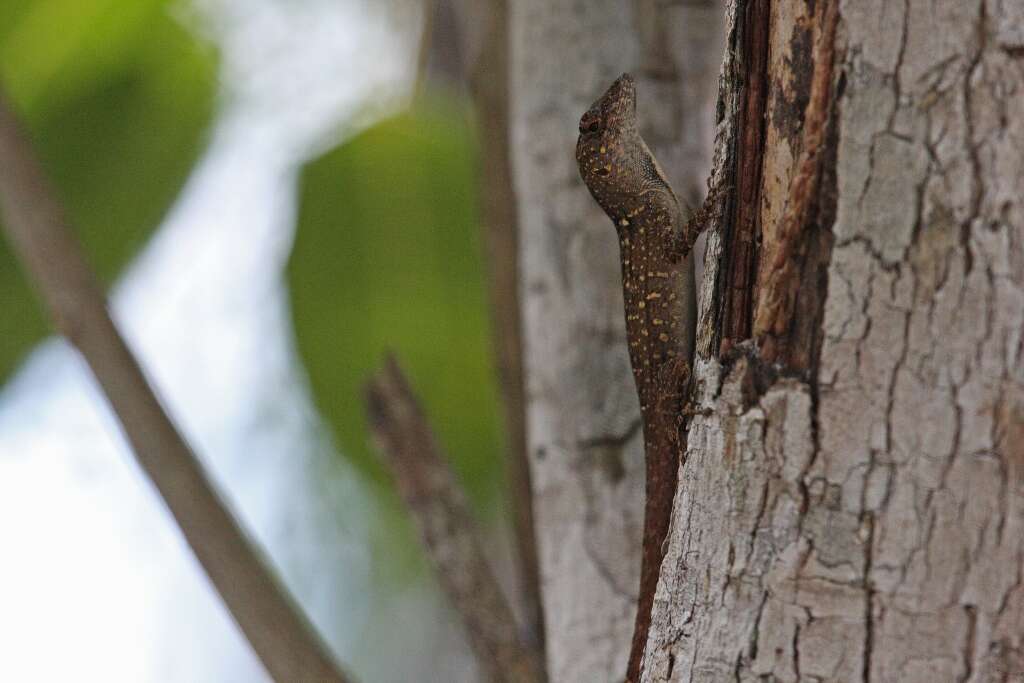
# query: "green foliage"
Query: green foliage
388,256
116,96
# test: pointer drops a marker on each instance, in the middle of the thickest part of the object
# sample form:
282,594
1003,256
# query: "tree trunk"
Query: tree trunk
851,505
583,416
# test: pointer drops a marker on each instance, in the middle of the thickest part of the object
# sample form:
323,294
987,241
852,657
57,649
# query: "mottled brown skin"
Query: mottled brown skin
659,292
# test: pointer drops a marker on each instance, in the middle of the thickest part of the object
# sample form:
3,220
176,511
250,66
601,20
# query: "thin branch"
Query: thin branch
423,54
489,84
476,33
440,57
439,508
39,234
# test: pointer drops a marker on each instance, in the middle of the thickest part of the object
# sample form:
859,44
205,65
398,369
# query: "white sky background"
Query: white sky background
96,584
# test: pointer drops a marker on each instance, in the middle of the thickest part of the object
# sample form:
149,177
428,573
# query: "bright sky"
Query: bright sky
95,582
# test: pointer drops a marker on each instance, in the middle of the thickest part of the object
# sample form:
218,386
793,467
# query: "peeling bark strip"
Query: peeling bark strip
785,243
867,524
727,125
439,508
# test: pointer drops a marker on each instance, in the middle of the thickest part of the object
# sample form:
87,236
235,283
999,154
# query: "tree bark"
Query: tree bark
851,505
583,421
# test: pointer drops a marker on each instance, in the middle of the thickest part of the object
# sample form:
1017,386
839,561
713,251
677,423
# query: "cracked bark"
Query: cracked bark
853,510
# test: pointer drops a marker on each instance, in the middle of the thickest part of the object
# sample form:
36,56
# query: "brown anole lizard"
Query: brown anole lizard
660,301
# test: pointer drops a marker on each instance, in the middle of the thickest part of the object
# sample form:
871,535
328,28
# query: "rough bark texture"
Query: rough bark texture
742,232
860,516
582,412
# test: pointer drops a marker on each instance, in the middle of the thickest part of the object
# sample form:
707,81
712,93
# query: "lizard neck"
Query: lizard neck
660,303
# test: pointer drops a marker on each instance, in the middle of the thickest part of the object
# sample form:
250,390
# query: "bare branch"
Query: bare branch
476,34
38,230
486,29
440,59
439,508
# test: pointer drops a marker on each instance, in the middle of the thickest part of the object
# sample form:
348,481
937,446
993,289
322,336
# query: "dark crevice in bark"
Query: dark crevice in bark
755,632
796,650
808,334
869,598
977,189
971,613
743,231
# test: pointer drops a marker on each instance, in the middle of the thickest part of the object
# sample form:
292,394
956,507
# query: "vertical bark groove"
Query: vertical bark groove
744,231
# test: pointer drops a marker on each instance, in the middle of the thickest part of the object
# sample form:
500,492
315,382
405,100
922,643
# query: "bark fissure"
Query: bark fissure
869,599
744,232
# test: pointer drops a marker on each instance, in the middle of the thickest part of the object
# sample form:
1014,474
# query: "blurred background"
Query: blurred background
272,201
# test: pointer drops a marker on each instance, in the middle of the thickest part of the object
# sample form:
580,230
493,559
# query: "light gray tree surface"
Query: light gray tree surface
860,518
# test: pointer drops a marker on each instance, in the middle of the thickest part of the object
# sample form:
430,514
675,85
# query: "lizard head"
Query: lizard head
614,111
617,166
608,145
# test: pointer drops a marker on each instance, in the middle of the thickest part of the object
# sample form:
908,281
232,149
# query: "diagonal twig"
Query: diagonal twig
439,508
38,231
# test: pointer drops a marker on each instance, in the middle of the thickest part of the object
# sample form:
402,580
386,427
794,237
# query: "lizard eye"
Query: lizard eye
591,122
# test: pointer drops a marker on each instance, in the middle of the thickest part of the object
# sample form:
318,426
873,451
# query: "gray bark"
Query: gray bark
583,418
866,521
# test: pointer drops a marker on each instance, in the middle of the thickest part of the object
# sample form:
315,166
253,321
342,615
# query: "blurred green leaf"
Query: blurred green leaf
117,96
388,256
